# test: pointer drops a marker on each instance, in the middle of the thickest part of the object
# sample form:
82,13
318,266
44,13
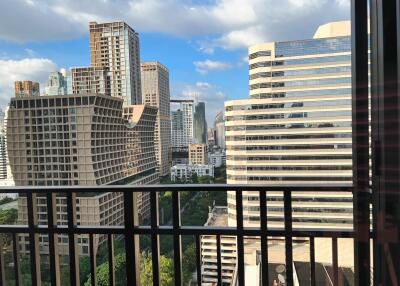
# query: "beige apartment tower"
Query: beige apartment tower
115,46
26,88
155,92
198,154
90,80
82,140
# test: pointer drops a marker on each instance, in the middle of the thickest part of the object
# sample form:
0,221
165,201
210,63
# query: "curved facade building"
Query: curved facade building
295,129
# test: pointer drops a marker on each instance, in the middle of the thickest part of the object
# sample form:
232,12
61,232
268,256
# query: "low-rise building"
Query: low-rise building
198,154
185,172
217,158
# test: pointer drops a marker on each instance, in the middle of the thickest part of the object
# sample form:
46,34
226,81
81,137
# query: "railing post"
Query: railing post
33,239
54,255
287,202
240,246
93,264
110,244
131,242
155,239
72,239
264,237
17,268
176,221
198,260
360,130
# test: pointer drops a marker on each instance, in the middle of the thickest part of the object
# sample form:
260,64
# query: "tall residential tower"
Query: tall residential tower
115,46
155,92
296,127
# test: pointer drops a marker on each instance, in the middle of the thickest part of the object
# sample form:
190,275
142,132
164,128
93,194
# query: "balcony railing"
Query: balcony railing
130,229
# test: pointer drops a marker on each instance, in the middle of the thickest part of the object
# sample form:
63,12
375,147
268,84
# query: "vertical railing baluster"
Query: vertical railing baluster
312,261
219,263
335,269
2,270
155,239
176,223
110,244
131,243
54,256
287,201
93,272
17,269
33,239
72,239
264,237
239,226
198,260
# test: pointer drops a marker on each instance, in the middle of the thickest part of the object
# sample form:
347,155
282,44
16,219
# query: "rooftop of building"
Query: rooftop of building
218,217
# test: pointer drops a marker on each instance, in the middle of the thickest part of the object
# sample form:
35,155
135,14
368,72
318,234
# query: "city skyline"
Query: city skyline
202,62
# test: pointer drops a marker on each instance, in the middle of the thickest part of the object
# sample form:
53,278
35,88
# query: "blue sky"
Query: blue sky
203,43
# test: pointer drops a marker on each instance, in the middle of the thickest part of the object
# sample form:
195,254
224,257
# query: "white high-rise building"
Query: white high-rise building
56,84
295,129
115,46
155,92
182,122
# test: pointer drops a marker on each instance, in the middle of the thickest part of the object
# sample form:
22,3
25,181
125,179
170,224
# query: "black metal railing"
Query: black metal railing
131,229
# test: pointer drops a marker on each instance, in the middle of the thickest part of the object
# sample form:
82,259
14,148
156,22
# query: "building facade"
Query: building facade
295,129
217,158
219,127
181,129
26,88
182,112
198,154
115,47
200,124
90,80
185,172
82,140
155,92
56,84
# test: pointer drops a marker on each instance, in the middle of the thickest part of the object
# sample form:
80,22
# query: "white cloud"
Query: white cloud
36,69
229,24
204,67
205,92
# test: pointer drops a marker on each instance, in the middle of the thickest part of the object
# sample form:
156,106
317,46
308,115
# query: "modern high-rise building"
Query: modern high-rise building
182,111
115,46
27,88
296,127
219,126
181,129
198,154
90,80
82,140
155,92
199,123
56,84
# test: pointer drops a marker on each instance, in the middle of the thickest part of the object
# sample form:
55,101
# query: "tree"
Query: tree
166,271
205,180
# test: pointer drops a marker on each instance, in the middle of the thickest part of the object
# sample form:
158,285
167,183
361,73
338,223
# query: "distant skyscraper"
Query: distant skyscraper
115,46
182,122
3,156
200,124
155,92
181,130
27,88
56,84
219,126
90,80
